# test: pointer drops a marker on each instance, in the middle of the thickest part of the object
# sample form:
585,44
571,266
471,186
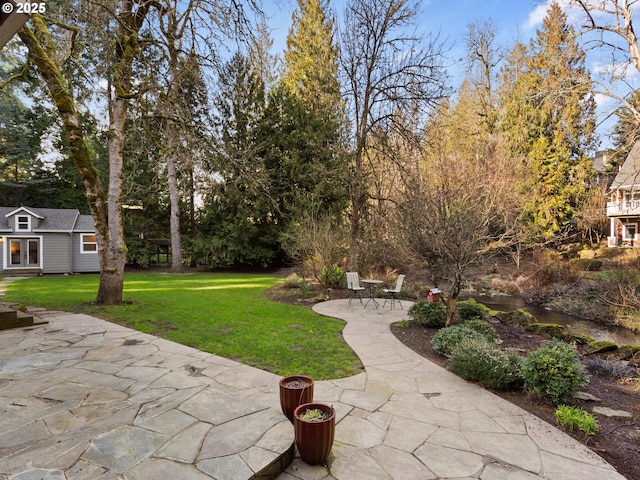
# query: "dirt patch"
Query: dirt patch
618,439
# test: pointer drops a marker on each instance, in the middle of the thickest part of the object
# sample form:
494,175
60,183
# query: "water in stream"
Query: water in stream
504,303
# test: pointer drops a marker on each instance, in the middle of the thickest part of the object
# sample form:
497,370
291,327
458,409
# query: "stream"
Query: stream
504,303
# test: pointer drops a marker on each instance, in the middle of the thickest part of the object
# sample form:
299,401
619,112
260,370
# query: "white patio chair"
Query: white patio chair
393,293
353,284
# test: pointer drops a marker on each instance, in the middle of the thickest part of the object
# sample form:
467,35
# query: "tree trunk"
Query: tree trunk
174,216
354,237
114,254
356,207
113,257
192,215
170,103
452,298
39,43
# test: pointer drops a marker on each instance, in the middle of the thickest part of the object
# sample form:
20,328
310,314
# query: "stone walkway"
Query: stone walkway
85,399
81,398
408,419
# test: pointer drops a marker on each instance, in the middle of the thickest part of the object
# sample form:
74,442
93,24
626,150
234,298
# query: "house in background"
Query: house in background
623,209
46,240
605,170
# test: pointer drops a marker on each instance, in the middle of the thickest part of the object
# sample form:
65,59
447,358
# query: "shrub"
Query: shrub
139,252
294,281
586,264
468,309
509,287
429,314
576,418
608,368
446,339
553,371
483,327
482,361
332,276
551,268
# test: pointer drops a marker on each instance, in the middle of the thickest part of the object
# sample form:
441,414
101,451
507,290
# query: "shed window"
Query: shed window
23,223
89,244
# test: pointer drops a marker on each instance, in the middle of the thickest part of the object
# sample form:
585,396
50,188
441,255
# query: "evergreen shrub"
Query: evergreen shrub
483,327
444,341
482,361
554,372
429,314
332,276
468,309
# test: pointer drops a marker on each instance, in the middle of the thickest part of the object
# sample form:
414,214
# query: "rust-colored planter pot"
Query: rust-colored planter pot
314,439
294,391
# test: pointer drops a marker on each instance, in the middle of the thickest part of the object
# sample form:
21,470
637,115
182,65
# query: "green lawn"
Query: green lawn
226,314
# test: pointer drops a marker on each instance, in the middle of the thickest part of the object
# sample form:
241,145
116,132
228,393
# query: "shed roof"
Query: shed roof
52,219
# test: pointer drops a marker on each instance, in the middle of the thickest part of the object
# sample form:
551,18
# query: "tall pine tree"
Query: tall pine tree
549,115
238,227
305,112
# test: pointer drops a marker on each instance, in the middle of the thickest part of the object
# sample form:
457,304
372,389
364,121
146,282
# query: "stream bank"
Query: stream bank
597,329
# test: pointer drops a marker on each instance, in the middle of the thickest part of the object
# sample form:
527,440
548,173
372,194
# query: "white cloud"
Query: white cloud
537,15
540,11
604,101
620,70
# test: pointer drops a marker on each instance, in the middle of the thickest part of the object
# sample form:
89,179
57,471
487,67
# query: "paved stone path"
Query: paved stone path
84,399
408,419
81,398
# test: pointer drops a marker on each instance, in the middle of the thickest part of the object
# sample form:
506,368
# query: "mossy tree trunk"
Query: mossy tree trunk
106,206
42,53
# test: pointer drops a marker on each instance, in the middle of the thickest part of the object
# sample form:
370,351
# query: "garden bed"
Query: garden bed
617,440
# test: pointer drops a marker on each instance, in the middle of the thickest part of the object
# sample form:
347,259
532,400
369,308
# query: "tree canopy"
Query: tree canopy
182,108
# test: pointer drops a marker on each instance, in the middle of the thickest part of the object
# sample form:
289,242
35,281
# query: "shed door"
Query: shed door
24,252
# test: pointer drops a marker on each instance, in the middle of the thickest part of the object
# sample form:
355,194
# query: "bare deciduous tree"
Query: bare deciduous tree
452,214
49,58
317,243
608,26
387,68
108,50
483,58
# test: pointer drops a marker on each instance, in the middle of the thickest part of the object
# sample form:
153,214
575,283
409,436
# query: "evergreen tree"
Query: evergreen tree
311,68
626,131
19,141
34,158
307,161
238,227
549,115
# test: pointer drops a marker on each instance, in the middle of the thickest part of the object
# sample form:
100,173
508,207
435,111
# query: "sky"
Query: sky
515,20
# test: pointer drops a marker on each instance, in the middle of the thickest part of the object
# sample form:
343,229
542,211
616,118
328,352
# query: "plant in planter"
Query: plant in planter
294,391
314,425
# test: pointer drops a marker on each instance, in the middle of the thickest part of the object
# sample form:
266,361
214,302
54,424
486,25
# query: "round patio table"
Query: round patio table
372,284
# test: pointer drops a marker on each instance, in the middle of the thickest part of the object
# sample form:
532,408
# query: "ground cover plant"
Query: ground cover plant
576,418
227,314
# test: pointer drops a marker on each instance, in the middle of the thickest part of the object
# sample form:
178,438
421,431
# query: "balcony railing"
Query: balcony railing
626,207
